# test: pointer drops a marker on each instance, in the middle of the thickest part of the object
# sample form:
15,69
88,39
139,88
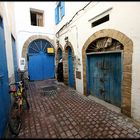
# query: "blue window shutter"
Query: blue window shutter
56,15
63,8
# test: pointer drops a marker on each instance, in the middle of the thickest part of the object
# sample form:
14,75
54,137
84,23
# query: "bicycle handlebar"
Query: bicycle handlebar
20,82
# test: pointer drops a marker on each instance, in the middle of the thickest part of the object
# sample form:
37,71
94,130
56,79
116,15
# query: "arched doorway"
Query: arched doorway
40,62
59,54
59,64
68,65
104,70
126,61
31,39
70,68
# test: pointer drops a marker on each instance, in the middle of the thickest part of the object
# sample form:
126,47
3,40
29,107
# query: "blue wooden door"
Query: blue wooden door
4,96
70,68
15,59
40,63
104,77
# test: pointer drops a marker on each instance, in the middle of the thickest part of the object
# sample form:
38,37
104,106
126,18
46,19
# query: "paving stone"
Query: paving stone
131,136
94,130
135,129
68,133
100,129
63,135
136,135
98,134
129,130
122,136
74,132
112,128
115,136
70,126
117,132
105,133
65,128
77,136
82,134
53,136
111,132
124,132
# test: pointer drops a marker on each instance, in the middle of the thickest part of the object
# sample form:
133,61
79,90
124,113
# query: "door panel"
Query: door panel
104,78
41,64
41,67
48,66
4,96
35,67
70,68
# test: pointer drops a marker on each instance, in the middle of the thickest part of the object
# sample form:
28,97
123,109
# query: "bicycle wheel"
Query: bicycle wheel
15,125
25,103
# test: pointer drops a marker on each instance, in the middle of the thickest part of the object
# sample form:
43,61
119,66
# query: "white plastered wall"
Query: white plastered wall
6,11
24,29
124,17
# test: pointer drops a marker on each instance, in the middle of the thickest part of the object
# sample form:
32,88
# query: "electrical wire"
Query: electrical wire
72,18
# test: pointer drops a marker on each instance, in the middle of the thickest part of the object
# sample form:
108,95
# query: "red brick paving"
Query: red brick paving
63,113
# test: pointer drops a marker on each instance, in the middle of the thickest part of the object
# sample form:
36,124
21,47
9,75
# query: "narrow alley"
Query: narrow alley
82,63
61,112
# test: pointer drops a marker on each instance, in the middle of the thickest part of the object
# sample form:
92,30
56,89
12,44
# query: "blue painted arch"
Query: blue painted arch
70,68
40,62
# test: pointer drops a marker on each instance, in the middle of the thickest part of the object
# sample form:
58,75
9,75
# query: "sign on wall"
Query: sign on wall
50,50
22,63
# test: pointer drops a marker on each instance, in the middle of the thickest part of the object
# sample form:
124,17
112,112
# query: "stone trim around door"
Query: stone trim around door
65,62
126,62
29,40
56,52
59,46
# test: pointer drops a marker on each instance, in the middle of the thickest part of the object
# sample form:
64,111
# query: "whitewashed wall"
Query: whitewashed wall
24,29
124,17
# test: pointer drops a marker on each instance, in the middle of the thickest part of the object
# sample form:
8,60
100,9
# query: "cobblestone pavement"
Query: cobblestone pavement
61,112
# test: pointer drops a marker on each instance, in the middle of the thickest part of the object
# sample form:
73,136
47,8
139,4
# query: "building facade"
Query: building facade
8,60
99,44
35,34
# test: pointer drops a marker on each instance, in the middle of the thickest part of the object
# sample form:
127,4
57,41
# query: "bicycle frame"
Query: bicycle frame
16,112
16,91
15,121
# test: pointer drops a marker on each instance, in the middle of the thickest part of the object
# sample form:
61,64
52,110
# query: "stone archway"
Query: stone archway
29,40
59,46
65,62
127,64
57,53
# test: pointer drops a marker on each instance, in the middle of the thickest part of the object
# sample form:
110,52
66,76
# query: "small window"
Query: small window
100,21
59,12
36,18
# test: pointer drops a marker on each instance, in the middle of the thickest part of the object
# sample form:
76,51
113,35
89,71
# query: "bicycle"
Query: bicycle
19,105
23,76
